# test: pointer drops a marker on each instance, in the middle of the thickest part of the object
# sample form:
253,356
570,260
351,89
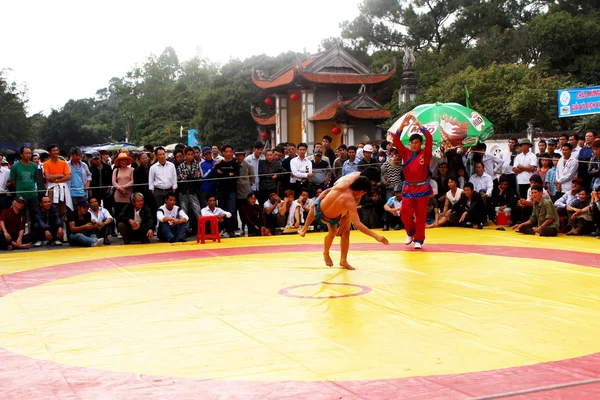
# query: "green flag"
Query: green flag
467,101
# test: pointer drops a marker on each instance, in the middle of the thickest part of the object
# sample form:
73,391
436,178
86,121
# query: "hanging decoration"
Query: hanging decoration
376,98
294,97
269,101
265,135
336,131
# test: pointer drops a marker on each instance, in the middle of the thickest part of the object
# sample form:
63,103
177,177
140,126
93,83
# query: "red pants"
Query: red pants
414,214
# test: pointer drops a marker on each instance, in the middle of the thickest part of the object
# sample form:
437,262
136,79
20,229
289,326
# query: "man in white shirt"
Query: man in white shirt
482,182
102,218
566,169
162,177
524,166
253,160
212,210
271,209
301,169
171,221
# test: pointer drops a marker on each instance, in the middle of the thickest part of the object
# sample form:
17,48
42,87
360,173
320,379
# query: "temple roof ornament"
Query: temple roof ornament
358,107
262,117
334,66
409,61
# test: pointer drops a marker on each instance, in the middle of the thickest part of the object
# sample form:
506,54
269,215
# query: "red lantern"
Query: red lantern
336,131
265,135
294,97
376,98
268,101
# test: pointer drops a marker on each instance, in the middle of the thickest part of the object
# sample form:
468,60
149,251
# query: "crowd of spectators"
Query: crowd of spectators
88,199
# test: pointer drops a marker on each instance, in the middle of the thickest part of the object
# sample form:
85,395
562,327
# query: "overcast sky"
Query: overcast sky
66,49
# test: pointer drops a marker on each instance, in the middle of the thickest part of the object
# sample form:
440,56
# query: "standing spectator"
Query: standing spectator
23,177
594,166
48,225
80,176
301,169
40,182
188,174
524,166
101,180
208,186
81,231
122,180
338,163
327,150
351,164
4,181
135,221
227,172
12,225
253,159
391,173
57,174
171,220
244,183
544,220
566,170
321,173
269,171
162,178
102,218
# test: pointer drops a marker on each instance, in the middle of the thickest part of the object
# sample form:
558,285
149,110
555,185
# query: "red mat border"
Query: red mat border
22,377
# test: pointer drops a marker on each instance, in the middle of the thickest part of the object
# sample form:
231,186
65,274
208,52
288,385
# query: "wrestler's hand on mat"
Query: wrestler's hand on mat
382,240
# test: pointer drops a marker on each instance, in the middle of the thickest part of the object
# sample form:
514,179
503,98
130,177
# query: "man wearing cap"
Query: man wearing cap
524,166
12,225
368,160
81,230
321,172
416,189
208,185
101,180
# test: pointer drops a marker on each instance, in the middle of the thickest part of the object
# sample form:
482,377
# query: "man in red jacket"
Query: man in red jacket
416,189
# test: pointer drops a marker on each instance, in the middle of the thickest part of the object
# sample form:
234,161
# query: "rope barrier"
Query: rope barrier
200,180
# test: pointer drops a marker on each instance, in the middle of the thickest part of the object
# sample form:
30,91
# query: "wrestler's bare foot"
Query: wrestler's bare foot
302,231
328,260
345,265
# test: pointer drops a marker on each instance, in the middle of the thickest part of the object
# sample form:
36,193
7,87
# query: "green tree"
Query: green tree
14,126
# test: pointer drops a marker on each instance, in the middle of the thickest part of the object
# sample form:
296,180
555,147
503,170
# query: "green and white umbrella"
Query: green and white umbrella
452,125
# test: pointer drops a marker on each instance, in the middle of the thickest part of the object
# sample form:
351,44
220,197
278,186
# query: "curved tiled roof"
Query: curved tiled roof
264,121
347,79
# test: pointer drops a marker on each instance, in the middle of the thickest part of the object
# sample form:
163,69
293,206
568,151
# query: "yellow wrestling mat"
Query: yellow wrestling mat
268,310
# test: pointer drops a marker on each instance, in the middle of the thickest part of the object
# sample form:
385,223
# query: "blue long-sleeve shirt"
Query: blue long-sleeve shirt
206,184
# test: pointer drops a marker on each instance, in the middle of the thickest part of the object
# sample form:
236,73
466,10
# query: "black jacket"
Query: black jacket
145,214
475,211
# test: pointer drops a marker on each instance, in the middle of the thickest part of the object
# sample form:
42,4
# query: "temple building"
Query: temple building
330,93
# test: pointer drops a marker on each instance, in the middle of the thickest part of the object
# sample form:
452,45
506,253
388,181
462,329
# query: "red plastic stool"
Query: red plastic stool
214,229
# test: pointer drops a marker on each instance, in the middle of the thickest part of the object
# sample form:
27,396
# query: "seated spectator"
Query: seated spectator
172,221
81,231
569,197
298,210
581,219
135,221
252,214
594,209
505,197
371,209
433,213
12,224
212,210
469,211
452,197
48,224
544,220
526,205
392,210
271,210
102,218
